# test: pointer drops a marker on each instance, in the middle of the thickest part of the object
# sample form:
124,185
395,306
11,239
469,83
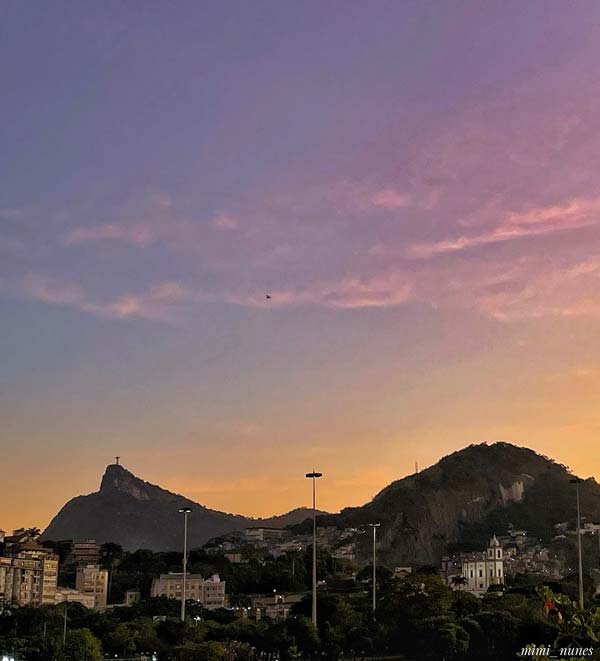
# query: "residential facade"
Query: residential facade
262,534
276,605
92,580
86,552
29,578
71,595
209,592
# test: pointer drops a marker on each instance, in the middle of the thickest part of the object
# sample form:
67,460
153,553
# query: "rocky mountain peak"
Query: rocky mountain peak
118,480
137,514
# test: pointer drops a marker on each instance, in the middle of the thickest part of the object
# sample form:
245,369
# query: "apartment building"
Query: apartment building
71,595
29,577
86,552
93,581
261,534
276,605
209,592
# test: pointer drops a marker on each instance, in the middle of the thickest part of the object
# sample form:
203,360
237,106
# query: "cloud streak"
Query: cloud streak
134,234
453,216
536,221
160,303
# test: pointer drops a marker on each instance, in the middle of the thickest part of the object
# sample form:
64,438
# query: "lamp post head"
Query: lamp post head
374,525
314,475
184,510
576,480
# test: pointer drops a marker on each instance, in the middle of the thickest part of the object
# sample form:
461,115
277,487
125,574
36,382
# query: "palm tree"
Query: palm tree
110,554
33,533
458,582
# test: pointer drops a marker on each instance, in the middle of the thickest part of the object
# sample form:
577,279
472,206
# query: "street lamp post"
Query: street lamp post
64,639
577,481
374,526
185,511
313,476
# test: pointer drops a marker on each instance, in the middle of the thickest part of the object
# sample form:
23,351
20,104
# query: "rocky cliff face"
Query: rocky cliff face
137,514
466,497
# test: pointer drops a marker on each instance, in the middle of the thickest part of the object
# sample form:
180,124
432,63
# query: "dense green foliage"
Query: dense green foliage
259,573
418,618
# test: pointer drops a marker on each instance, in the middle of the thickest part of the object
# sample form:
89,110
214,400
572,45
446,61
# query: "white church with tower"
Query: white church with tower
476,572
484,569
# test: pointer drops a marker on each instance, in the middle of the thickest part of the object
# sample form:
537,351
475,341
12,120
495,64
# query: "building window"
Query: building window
481,573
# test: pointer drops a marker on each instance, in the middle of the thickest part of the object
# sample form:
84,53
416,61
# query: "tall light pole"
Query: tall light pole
374,526
313,476
577,481
185,511
65,625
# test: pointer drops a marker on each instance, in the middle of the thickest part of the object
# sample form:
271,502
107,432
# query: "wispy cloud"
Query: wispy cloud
16,213
155,220
370,235
225,222
50,290
389,198
573,376
538,289
134,234
347,294
576,213
160,303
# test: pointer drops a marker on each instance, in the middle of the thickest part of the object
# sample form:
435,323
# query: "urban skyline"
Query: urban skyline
413,185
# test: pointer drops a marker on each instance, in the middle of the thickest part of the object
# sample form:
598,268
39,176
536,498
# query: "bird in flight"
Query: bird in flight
268,297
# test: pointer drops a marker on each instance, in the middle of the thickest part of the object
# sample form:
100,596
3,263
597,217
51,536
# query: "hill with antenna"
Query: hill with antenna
465,498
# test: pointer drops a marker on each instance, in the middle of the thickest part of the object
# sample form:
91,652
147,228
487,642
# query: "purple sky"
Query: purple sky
416,184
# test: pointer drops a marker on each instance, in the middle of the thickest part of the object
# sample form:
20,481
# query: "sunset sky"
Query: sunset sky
416,184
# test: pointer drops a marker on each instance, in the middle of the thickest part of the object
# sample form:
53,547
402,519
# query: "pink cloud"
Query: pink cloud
532,288
483,176
225,223
390,199
182,232
349,293
50,290
535,221
130,306
160,303
135,234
